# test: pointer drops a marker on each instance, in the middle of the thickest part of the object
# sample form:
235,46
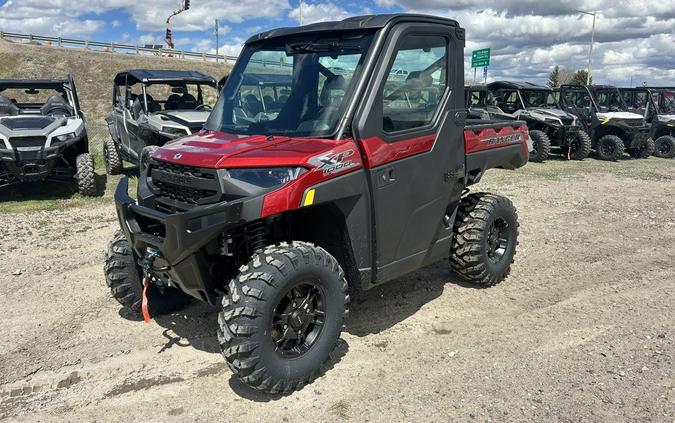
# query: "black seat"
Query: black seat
187,102
8,108
153,105
56,105
172,102
136,109
252,105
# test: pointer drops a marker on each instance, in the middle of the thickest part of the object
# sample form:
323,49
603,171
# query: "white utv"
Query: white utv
152,107
43,134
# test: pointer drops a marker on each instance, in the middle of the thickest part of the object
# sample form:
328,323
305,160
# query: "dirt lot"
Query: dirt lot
583,329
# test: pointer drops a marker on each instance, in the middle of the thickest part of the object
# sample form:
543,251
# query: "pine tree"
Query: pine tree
554,77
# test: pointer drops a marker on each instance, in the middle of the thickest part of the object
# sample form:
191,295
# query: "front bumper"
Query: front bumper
28,164
180,238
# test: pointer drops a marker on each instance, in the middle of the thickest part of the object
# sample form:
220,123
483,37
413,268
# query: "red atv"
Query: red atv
320,171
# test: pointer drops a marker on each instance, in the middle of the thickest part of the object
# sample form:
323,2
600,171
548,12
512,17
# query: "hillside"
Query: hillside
93,70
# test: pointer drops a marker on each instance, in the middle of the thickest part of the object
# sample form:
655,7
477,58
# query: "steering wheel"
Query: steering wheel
205,107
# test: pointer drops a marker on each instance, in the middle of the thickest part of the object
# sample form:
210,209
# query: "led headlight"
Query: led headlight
266,177
65,137
170,130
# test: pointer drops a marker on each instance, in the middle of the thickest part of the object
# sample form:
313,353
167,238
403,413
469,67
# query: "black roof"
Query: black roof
517,85
52,84
350,24
163,76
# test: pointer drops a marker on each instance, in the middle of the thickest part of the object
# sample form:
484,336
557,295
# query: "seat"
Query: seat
172,102
188,102
252,106
8,108
152,104
56,105
136,109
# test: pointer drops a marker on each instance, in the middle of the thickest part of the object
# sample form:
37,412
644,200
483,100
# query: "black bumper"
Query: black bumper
180,238
34,163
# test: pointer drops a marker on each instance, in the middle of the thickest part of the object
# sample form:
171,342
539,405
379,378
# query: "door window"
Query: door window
416,83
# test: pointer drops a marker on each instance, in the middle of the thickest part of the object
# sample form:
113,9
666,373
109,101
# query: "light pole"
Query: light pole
590,49
301,2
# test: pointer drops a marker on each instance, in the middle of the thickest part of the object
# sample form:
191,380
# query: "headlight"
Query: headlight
66,137
553,121
174,131
266,178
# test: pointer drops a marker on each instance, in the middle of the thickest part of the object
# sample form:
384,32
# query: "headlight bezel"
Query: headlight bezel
265,177
65,137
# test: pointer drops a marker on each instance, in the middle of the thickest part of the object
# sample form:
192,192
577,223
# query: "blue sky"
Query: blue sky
635,38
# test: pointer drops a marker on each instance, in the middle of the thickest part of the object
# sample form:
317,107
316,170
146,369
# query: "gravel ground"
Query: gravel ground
582,330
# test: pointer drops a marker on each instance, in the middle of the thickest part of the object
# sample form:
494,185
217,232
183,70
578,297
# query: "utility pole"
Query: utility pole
217,40
590,49
301,2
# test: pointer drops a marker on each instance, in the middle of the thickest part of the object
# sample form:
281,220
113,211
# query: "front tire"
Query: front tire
610,148
665,147
85,175
122,275
113,162
485,239
541,146
578,147
283,316
646,149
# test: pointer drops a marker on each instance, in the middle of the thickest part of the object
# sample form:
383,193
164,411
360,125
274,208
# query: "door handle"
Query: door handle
386,177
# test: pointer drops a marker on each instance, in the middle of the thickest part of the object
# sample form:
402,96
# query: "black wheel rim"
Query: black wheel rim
497,239
607,148
298,319
663,148
535,149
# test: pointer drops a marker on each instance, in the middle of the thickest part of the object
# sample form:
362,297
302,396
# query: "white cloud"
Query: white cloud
319,12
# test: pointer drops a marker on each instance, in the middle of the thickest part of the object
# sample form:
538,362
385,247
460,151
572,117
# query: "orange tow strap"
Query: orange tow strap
144,302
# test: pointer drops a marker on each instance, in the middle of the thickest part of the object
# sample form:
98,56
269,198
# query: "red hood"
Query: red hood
219,150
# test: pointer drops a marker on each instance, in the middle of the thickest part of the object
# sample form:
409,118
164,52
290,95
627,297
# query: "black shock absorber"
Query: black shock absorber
256,233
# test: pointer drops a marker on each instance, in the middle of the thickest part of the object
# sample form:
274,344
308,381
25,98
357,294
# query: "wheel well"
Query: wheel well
322,225
603,130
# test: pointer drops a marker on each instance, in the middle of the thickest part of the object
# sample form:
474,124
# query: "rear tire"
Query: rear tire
646,149
579,146
485,238
610,148
260,345
541,146
85,176
113,162
665,147
122,275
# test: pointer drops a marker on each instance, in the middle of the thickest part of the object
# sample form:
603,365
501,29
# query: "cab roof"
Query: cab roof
518,85
135,76
350,24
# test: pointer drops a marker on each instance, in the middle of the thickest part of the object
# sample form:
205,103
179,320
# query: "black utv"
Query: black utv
657,105
549,124
612,128
151,107
43,134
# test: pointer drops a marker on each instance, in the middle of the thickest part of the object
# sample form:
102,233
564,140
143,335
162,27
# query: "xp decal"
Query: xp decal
332,162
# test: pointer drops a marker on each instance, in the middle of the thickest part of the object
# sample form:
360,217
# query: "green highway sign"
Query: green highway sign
480,58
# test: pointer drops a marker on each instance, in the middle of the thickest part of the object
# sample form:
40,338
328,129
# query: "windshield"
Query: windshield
180,96
609,100
666,102
293,87
539,98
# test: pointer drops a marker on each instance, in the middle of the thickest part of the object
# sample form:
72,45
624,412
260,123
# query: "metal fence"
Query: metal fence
115,47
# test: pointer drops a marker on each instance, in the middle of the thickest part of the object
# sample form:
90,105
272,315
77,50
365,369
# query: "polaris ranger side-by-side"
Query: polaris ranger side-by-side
548,123
358,178
43,134
657,105
613,130
151,107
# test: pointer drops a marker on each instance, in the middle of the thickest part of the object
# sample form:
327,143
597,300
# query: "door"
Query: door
411,133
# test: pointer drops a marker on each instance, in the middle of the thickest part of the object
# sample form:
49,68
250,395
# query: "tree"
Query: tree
554,77
580,77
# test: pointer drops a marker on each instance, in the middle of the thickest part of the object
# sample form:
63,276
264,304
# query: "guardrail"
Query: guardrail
118,48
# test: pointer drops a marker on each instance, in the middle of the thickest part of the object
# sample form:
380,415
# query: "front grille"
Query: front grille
179,188
19,142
